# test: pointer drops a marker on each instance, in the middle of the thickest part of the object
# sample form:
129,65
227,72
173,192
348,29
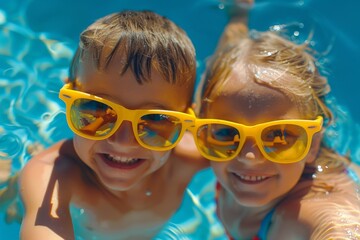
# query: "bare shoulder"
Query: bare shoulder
329,207
56,158
184,162
187,155
45,187
55,164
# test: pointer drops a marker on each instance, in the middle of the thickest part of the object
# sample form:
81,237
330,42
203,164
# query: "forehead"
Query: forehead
244,100
109,83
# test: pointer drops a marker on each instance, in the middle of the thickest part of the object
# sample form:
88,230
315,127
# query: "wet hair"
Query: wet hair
145,40
272,60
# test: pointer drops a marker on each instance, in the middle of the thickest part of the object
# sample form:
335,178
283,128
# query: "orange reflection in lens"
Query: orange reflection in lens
159,130
92,118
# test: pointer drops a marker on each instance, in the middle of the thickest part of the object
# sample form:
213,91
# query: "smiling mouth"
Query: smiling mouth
122,162
251,179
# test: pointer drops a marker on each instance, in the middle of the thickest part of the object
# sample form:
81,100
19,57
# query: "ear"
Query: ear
314,148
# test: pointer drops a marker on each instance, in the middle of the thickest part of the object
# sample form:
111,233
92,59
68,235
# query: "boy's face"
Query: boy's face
252,179
119,161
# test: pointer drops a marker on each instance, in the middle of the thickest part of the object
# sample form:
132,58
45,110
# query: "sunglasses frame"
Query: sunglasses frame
69,95
310,126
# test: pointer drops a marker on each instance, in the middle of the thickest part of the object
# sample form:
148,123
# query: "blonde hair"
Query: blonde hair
145,41
276,62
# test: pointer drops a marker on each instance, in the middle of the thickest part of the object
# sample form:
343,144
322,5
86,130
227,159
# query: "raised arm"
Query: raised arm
237,26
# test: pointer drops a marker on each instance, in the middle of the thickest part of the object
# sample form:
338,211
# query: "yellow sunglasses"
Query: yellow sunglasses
281,141
96,118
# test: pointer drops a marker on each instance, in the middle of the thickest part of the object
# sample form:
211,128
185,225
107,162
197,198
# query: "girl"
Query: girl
262,119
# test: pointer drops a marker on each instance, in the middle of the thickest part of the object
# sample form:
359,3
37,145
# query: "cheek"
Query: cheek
291,173
314,149
219,170
162,157
82,147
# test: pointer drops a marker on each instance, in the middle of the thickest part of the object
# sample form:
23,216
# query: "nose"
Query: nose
250,152
124,136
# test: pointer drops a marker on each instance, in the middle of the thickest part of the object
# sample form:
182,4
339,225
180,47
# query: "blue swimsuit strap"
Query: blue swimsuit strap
265,225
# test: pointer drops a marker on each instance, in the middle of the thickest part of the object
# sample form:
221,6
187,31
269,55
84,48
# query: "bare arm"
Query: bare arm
321,214
237,27
187,151
46,194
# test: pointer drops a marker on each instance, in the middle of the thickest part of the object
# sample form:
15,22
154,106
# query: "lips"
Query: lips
251,179
121,162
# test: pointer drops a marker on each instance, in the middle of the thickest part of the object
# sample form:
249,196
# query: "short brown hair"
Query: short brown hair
146,40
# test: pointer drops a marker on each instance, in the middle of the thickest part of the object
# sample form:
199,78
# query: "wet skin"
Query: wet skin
107,182
252,185
124,90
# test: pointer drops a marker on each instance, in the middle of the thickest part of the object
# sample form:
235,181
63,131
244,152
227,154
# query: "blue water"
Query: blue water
38,38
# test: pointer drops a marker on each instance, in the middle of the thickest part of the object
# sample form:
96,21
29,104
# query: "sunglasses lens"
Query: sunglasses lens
92,118
286,142
218,141
159,130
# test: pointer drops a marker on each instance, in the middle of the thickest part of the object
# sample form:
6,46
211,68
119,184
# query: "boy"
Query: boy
130,85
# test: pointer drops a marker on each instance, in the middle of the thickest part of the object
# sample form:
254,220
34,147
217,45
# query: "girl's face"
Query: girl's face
250,177
119,161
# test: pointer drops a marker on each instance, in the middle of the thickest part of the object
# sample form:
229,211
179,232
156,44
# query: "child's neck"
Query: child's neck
242,222
144,194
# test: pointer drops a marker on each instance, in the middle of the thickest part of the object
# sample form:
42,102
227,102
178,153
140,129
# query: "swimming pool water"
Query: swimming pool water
37,43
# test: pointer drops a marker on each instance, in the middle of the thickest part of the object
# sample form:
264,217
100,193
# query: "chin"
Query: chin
117,184
254,201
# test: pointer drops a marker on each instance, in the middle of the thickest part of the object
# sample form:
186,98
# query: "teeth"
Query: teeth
121,159
252,178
